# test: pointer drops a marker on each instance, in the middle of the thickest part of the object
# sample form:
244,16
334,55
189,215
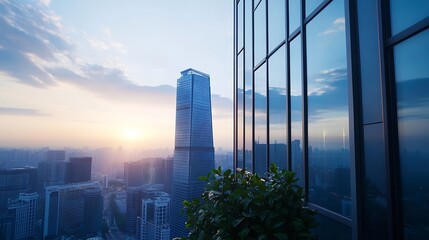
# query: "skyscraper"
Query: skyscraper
23,210
194,152
337,91
79,169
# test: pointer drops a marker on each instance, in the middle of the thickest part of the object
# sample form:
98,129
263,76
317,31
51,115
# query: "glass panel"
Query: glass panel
294,15
240,26
328,129
277,108
328,229
276,23
248,81
412,84
296,107
260,147
406,13
240,117
311,5
260,33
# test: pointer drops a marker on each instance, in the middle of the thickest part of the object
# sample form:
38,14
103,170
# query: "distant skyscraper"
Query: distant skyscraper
15,181
56,155
194,152
133,174
79,169
67,208
155,217
23,210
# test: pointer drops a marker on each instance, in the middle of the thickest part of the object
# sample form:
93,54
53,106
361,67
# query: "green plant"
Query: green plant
245,206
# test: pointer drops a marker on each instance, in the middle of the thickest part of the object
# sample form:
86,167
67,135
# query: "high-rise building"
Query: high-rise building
133,174
56,155
15,181
67,208
23,212
341,86
79,169
155,217
194,152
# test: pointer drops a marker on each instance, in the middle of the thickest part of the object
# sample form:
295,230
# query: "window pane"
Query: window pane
240,26
294,15
328,229
296,107
240,115
260,33
248,80
406,13
311,5
276,23
277,104
328,129
412,84
260,147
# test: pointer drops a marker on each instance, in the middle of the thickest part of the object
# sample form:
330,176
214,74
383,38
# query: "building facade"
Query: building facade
194,151
337,91
69,207
155,218
23,211
14,181
79,169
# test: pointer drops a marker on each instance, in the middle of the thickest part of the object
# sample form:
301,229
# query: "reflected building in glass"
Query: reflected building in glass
337,91
194,151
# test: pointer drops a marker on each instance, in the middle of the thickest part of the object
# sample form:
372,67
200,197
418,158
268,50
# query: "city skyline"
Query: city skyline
76,77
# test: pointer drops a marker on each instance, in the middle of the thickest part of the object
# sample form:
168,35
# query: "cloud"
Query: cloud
35,51
20,111
338,25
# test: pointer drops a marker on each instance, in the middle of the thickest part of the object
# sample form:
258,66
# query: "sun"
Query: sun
131,134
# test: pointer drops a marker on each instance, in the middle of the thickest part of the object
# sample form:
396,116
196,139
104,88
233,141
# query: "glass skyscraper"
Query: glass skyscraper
337,91
194,152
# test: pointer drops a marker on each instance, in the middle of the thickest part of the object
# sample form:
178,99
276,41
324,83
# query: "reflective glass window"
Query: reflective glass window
406,13
329,229
260,142
248,88
276,23
277,93
240,26
296,107
311,5
260,33
328,112
411,59
240,115
294,15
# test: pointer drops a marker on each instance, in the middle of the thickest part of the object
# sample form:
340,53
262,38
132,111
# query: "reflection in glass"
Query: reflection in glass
260,146
327,94
403,14
296,108
240,114
277,108
311,5
276,23
331,230
294,15
260,33
248,91
240,26
412,84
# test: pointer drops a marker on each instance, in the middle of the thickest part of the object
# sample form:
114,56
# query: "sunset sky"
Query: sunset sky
103,73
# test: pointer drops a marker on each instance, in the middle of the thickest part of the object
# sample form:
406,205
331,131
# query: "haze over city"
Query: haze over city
102,74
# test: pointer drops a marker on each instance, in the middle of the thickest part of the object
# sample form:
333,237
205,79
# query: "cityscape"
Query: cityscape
112,114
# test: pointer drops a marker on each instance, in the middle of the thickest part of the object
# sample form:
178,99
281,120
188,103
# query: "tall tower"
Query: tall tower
194,152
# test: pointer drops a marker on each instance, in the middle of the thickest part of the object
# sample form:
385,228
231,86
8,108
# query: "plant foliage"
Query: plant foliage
246,206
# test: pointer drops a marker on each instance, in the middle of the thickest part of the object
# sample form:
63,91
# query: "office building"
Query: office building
56,155
343,85
155,217
133,174
79,169
194,152
23,212
15,181
69,207
135,208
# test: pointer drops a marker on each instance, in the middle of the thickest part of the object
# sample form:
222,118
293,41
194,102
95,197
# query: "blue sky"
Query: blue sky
103,73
